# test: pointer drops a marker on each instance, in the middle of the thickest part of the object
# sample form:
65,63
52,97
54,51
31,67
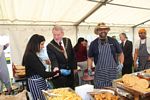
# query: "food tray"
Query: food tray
100,91
62,94
119,84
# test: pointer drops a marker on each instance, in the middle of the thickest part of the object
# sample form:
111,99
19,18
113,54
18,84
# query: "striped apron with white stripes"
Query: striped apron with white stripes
143,56
106,67
36,84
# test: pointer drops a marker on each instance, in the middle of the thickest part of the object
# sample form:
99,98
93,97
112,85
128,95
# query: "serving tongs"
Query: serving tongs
50,94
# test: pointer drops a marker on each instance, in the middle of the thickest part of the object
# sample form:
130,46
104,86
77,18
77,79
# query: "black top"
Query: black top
34,66
57,56
127,51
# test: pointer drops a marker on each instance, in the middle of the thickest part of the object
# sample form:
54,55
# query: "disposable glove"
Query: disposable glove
89,71
119,68
65,72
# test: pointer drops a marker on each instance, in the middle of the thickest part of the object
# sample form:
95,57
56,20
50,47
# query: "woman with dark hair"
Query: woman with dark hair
81,56
35,70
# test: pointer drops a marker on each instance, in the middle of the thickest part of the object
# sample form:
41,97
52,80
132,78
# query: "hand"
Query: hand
56,75
55,69
65,72
49,78
119,67
89,71
75,71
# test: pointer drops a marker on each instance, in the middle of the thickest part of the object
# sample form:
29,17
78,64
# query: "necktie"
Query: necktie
122,44
61,47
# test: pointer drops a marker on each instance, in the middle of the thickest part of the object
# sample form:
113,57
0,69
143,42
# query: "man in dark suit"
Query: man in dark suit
127,48
62,57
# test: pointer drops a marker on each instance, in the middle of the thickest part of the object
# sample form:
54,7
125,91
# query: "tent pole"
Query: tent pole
99,4
77,31
122,5
133,30
141,23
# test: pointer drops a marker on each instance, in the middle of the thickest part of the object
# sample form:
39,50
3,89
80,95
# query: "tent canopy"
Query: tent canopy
75,12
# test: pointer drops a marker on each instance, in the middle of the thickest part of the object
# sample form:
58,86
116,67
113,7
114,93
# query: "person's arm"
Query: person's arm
136,52
36,65
89,62
90,58
89,65
1,49
119,52
121,58
52,57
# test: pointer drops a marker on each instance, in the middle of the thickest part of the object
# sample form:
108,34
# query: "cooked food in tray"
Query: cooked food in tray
147,71
103,94
136,83
63,94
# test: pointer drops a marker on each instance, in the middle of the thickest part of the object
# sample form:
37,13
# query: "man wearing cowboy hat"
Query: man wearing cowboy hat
142,51
104,50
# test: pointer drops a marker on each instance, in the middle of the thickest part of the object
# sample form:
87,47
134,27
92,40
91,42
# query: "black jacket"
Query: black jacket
34,66
57,56
127,51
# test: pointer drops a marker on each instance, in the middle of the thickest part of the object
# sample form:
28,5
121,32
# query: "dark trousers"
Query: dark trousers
127,69
63,81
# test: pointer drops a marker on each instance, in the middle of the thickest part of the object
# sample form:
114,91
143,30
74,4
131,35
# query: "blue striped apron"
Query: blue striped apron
106,67
143,56
36,84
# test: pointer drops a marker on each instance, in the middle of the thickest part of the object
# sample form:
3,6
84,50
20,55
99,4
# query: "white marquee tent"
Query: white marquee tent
19,19
74,12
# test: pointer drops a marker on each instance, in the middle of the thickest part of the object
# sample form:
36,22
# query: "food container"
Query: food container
136,92
103,94
144,76
83,90
19,71
61,94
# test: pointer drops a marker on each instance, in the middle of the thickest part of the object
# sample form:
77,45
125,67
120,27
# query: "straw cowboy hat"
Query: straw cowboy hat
101,26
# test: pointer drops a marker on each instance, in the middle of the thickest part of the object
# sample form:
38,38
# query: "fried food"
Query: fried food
147,71
129,80
143,83
64,94
105,96
136,83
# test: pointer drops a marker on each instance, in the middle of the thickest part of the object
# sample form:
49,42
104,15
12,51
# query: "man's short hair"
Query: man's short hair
57,27
124,34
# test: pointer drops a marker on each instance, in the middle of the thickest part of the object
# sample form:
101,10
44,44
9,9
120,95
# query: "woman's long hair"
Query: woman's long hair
33,46
76,47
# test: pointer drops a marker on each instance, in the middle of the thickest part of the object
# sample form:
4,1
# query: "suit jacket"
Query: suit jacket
57,56
127,50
